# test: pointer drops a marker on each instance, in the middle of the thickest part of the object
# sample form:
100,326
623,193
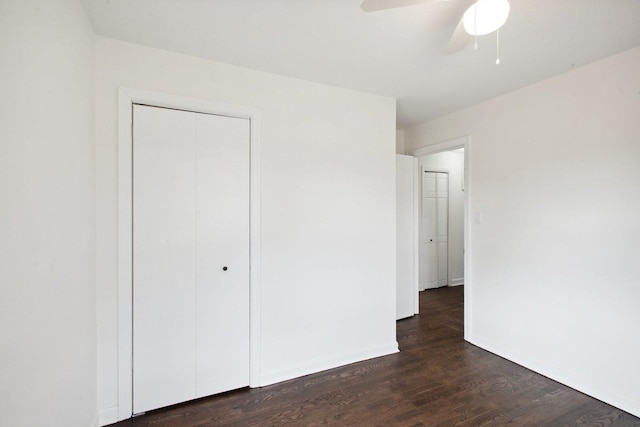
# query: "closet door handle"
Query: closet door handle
225,268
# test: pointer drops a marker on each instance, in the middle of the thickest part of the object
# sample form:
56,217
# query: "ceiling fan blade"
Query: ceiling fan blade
459,40
375,5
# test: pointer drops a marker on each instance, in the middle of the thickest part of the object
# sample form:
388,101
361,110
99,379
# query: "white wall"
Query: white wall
452,161
328,209
556,260
47,215
400,142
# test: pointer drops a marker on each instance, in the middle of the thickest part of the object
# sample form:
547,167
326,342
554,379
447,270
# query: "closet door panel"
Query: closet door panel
164,232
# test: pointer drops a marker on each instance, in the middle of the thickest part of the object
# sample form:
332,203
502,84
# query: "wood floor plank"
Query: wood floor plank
436,380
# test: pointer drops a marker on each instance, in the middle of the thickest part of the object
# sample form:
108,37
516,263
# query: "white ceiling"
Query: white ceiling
396,53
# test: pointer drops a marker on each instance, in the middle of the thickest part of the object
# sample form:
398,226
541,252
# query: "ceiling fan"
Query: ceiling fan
480,17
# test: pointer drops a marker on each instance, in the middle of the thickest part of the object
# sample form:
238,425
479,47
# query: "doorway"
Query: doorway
451,157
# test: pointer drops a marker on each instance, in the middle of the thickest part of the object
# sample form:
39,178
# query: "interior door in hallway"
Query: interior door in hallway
434,226
190,255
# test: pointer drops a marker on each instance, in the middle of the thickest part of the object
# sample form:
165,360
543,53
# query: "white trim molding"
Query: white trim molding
462,142
416,232
126,99
453,144
108,416
571,379
315,366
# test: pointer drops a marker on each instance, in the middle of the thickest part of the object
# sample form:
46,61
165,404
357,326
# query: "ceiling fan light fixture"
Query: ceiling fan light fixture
485,16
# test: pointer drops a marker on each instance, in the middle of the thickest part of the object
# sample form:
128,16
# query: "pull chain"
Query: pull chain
475,28
498,46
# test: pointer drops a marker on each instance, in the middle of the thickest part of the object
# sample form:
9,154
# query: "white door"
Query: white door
434,221
442,189
406,237
190,255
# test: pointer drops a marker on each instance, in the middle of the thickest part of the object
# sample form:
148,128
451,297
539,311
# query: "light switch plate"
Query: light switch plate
477,217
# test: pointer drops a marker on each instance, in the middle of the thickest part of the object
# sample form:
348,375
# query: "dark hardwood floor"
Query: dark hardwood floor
436,380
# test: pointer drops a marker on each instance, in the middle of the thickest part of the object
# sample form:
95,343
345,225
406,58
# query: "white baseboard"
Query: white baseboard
574,381
108,416
111,415
322,365
456,282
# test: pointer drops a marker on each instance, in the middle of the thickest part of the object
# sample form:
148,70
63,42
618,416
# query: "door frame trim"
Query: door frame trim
127,97
462,142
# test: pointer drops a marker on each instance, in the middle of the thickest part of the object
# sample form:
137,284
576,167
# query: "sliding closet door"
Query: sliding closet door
190,255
